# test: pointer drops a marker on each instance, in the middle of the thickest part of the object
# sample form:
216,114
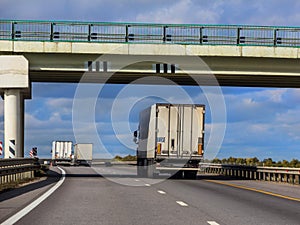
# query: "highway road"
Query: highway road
119,197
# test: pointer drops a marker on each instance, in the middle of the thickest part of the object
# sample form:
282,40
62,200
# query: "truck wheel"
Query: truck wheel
177,175
192,175
140,168
156,175
139,171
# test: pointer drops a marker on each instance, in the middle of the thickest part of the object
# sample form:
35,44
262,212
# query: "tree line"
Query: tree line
294,163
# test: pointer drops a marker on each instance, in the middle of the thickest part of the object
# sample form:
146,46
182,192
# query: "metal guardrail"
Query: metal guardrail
277,174
195,34
13,171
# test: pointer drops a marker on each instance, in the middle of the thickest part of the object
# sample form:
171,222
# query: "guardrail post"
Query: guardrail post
291,178
280,177
285,179
297,180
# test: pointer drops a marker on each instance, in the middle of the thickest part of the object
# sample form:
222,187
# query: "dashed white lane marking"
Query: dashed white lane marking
148,185
136,180
161,192
13,219
212,223
181,203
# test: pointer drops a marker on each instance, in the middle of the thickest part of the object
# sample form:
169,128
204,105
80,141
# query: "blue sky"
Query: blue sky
262,122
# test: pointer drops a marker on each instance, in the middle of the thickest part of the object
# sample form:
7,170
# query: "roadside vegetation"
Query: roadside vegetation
294,163
125,158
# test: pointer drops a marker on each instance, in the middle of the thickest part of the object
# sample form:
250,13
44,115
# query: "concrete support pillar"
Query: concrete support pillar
13,123
14,87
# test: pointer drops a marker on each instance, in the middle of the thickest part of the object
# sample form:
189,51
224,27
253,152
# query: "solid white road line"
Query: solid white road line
13,219
212,223
161,192
181,203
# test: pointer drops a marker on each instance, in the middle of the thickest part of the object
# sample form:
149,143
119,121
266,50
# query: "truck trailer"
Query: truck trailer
62,150
170,139
83,154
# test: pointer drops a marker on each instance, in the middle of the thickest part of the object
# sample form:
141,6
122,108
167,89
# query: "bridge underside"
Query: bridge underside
180,79
228,71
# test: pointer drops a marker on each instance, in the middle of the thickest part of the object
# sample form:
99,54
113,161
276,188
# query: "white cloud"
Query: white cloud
182,11
257,12
60,106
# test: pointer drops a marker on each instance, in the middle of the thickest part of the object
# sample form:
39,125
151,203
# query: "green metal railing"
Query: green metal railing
193,34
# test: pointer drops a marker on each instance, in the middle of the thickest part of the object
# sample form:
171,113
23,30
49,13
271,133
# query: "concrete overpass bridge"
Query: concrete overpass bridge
55,51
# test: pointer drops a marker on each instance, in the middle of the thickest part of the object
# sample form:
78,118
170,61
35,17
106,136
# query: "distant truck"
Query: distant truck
83,154
62,150
170,140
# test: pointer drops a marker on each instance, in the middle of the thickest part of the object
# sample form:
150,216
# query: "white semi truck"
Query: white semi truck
83,154
170,140
62,150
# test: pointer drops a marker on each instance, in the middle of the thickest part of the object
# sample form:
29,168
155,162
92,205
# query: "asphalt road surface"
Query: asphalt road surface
119,197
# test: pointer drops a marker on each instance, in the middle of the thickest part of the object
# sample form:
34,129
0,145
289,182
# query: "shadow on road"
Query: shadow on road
83,175
216,177
52,177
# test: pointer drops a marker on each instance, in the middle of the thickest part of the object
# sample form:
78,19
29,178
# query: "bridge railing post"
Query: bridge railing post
275,37
51,31
12,30
164,34
126,33
89,32
238,35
